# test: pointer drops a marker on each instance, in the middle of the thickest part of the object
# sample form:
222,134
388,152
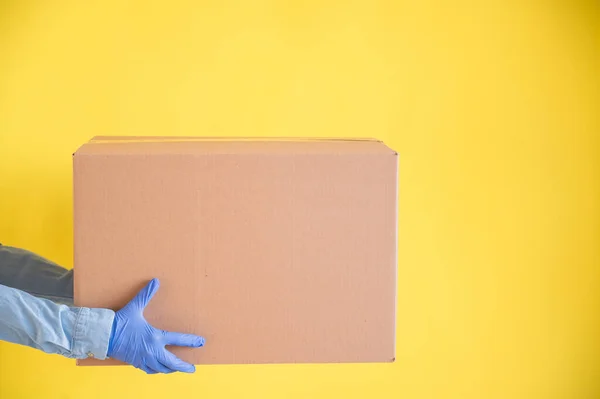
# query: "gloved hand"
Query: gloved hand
136,342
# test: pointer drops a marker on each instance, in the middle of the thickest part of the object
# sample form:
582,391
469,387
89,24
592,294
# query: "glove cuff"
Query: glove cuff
111,340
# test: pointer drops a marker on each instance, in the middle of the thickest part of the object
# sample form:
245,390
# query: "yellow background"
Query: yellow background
493,105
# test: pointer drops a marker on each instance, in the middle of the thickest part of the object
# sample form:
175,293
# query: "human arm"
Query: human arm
74,332
38,276
79,332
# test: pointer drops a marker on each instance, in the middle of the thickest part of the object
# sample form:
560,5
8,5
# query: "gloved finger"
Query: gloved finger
177,339
147,369
145,295
159,367
175,363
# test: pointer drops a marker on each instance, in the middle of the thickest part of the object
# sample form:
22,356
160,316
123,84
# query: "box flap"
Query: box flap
148,145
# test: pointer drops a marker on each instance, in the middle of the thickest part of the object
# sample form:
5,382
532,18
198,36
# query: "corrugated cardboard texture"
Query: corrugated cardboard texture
276,251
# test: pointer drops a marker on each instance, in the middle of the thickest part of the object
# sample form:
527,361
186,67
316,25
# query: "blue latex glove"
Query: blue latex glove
136,342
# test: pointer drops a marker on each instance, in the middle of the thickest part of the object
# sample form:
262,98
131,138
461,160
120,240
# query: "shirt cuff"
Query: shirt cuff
92,333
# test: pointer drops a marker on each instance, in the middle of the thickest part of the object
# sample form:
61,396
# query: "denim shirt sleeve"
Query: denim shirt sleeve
74,332
36,308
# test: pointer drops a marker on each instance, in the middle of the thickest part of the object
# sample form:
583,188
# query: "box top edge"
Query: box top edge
167,139
138,145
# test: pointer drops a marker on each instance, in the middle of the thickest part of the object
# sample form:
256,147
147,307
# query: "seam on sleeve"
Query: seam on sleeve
76,330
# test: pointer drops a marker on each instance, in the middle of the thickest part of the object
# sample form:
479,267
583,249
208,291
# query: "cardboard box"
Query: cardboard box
275,250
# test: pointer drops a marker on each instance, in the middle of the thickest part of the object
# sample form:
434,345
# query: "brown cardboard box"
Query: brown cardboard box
275,250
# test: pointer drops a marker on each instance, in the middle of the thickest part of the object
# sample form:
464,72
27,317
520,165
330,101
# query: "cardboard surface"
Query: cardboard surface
276,251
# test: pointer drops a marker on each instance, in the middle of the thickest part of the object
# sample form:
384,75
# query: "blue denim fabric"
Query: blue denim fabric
36,298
